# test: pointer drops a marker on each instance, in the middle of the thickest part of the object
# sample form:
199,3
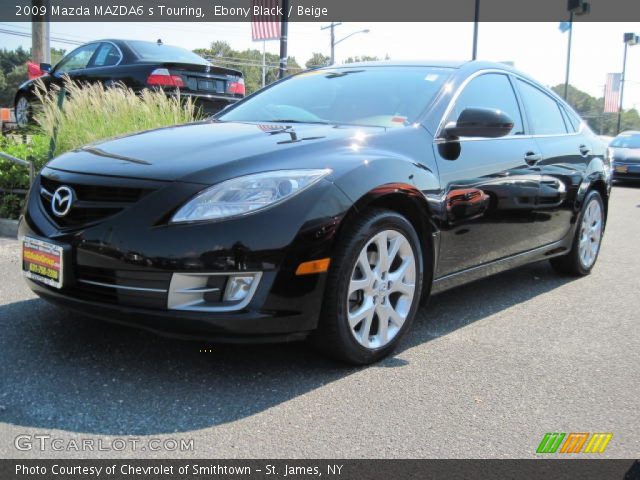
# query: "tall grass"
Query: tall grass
91,112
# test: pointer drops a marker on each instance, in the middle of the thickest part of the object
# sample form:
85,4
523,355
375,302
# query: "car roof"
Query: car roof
401,63
454,64
629,132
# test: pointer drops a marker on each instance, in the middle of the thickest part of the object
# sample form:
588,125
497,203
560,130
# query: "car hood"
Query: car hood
212,151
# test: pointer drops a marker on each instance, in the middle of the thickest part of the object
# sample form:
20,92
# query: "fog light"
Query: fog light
238,288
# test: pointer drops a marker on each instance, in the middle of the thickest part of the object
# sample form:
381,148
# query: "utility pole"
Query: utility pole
333,40
284,28
476,21
40,42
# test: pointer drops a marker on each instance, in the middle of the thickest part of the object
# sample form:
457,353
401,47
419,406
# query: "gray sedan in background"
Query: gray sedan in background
626,156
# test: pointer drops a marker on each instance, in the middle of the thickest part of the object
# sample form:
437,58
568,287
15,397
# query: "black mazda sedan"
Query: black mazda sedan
138,65
326,206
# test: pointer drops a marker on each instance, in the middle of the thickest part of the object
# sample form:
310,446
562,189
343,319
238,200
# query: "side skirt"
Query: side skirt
481,271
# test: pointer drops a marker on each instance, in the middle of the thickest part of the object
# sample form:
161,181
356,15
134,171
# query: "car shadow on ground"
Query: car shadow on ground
59,370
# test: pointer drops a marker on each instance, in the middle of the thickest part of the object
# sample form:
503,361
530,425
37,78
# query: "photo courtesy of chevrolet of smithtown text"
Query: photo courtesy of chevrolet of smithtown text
297,239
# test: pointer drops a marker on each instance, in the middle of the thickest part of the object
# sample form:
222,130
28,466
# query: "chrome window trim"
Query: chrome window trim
109,66
439,138
91,68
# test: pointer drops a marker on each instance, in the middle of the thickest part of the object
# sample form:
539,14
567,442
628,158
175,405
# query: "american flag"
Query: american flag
612,92
265,27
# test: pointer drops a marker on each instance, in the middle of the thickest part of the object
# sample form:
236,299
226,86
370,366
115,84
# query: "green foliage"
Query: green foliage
317,60
14,177
13,71
591,109
363,58
92,112
249,62
10,205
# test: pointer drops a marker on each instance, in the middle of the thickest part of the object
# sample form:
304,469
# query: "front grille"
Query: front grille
93,203
123,287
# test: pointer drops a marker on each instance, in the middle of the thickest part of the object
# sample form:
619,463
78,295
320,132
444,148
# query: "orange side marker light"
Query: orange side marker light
314,266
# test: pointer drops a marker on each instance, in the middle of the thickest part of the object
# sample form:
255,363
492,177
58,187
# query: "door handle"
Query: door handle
532,158
584,150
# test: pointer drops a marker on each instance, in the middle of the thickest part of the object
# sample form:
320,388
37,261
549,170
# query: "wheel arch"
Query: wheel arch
409,202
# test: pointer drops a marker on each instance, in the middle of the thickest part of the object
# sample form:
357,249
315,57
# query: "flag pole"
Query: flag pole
264,63
283,38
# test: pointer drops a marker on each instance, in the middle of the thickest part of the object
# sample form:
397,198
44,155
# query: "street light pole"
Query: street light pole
577,7
629,39
624,71
566,75
476,21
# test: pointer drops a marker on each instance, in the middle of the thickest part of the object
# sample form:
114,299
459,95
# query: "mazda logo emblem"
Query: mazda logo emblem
62,201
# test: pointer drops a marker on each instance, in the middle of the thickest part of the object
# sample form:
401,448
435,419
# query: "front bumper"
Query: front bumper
626,170
137,247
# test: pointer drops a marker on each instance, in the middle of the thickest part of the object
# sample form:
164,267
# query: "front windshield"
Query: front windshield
626,141
368,96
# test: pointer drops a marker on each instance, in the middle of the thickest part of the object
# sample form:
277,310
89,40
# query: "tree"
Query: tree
317,60
249,62
363,58
13,71
591,110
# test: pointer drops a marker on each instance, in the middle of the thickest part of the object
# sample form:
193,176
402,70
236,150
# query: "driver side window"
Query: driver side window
77,60
490,90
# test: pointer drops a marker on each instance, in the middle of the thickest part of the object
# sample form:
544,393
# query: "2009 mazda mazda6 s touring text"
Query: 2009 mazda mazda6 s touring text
327,206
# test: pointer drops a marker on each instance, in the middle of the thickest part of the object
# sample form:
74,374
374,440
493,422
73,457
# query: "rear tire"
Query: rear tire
23,111
587,240
373,289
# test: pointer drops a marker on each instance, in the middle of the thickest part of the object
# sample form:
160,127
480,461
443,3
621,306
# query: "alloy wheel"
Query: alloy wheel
590,233
381,289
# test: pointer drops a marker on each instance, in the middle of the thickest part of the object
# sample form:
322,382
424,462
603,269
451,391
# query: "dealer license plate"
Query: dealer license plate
42,261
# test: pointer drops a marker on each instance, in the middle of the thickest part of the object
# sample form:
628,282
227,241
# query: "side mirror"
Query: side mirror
45,67
479,122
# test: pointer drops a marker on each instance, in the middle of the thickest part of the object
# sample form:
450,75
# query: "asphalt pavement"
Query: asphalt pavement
487,370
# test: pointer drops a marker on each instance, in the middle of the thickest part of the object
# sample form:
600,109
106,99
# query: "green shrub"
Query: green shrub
92,112
11,205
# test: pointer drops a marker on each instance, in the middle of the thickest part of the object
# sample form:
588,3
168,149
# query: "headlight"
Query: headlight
248,194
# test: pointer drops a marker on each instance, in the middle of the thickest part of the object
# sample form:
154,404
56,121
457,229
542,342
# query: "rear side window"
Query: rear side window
491,90
106,56
542,110
574,121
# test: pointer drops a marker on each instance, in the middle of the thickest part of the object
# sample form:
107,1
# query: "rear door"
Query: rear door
106,65
489,190
566,152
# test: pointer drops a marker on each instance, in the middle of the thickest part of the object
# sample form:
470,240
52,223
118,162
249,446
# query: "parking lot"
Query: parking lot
488,369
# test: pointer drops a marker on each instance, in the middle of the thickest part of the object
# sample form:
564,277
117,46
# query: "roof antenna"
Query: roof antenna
159,42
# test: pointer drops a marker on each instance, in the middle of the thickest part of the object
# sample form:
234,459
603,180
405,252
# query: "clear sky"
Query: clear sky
538,49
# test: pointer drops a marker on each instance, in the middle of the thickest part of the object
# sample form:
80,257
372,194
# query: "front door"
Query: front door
489,187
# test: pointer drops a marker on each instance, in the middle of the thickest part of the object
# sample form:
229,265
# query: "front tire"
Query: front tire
373,290
587,241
